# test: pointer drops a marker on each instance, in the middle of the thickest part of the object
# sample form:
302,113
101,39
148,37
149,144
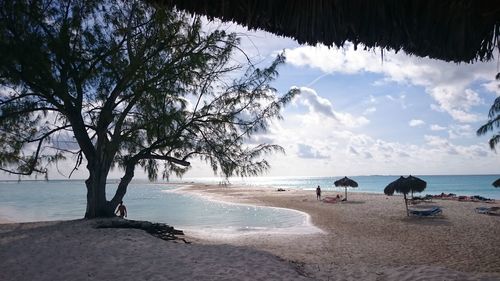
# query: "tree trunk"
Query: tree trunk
97,205
122,186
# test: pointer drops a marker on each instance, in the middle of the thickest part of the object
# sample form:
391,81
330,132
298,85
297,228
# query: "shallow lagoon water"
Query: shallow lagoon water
62,200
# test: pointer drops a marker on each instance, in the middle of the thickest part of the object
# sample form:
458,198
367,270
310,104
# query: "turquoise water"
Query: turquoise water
458,184
160,202
62,200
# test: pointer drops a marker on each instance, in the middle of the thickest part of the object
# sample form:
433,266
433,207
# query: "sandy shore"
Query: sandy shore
370,237
74,250
367,238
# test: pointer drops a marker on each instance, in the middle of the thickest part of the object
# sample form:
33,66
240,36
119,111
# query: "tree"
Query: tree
120,83
493,122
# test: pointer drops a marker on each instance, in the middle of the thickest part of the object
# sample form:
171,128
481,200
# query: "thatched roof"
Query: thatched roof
345,181
450,30
405,185
496,183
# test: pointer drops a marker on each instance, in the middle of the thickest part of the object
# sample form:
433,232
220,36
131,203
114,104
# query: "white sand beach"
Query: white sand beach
367,238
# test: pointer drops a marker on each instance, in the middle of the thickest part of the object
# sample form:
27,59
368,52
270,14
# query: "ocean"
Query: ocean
161,202
436,184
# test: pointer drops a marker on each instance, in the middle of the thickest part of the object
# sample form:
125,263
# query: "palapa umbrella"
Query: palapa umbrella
496,183
405,186
346,182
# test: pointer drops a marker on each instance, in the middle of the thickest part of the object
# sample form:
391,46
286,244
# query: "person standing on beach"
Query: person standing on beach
122,210
318,193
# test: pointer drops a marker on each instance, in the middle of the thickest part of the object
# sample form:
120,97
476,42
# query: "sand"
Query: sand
74,250
367,238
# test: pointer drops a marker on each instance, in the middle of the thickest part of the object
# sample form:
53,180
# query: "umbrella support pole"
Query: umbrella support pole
345,193
406,205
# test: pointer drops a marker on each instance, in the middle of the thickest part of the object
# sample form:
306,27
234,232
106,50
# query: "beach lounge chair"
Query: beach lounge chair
488,210
427,212
478,198
329,200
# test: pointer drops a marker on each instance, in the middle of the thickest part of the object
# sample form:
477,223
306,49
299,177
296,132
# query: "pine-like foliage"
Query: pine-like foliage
122,83
493,122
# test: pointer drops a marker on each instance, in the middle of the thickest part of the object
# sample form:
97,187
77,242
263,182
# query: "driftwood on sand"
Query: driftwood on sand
160,230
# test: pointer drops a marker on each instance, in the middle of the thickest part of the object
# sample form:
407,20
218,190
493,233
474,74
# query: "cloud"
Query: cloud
492,86
308,152
399,99
370,110
322,106
416,123
436,141
436,127
353,151
448,84
315,103
457,105
259,139
460,131
403,154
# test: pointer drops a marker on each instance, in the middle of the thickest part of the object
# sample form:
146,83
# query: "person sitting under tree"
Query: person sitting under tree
122,210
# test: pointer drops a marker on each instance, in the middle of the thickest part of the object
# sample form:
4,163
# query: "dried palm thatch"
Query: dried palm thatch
405,186
496,183
345,182
449,30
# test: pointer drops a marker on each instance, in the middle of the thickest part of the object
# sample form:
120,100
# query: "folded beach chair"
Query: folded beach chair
426,213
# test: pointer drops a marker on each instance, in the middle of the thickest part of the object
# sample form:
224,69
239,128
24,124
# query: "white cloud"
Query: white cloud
436,141
448,84
370,110
307,151
436,127
322,106
493,86
460,131
457,105
352,150
416,123
315,103
399,99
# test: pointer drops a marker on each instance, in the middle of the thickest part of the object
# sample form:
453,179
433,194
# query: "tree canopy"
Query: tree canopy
120,83
493,122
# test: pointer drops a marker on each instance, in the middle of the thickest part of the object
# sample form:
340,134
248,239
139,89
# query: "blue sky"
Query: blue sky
360,115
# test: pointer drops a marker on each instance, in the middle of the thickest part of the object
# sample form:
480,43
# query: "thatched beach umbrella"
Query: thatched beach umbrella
405,186
496,183
346,182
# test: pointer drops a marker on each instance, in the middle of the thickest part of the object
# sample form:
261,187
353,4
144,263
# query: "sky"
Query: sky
360,114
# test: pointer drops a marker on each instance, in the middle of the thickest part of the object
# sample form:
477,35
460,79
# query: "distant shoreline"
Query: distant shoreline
178,180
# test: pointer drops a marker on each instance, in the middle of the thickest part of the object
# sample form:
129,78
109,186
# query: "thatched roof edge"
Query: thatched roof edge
449,30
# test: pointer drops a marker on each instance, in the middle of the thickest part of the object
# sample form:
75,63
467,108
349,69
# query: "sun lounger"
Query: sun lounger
478,198
418,199
427,212
330,200
488,210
